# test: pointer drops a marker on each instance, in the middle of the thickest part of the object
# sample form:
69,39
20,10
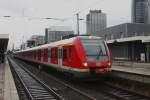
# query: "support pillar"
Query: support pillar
148,52
132,51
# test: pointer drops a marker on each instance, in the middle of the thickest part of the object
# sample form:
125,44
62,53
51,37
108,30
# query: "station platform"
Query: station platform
8,89
132,70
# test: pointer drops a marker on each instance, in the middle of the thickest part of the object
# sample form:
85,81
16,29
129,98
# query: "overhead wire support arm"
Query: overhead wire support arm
78,32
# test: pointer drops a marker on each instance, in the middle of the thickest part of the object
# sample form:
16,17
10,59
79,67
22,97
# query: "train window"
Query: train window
49,53
64,53
56,53
45,52
60,53
69,52
39,52
52,53
35,54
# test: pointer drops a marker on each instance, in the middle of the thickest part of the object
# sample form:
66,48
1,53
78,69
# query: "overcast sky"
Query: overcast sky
26,14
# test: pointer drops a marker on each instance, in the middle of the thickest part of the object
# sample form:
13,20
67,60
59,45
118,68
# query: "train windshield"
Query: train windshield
94,48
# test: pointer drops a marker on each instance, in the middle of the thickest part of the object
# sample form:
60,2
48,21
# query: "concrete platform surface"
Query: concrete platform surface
134,70
140,74
7,86
131,64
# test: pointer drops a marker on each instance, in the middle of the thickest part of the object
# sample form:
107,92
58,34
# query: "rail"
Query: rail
35,89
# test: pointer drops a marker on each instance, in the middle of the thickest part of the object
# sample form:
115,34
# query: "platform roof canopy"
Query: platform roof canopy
143,39
3,42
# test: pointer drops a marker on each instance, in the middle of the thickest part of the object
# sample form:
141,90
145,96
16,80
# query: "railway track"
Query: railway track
64,91
120,94
34,88
92,91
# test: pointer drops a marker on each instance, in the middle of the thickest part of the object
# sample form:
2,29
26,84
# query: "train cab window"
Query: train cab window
98,50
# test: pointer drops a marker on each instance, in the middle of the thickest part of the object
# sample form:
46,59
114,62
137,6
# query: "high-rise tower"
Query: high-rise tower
140,11
95,22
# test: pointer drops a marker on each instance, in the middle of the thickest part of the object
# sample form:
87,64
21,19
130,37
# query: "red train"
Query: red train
80,56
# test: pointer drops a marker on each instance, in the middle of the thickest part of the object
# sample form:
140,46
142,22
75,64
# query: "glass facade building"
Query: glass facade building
140,11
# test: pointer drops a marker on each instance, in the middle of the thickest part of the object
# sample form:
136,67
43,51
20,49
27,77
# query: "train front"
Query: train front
98,57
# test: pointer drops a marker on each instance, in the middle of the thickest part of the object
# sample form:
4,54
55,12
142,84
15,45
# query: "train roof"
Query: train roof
65,41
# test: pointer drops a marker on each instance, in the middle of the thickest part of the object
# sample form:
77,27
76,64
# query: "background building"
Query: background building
35,40
39,39
55,33
131,41
140,11
131,48
23,46
126,30
95,22
31,43
4,38
128,41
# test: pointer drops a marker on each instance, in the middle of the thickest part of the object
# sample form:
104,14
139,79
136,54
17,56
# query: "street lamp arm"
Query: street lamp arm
7,16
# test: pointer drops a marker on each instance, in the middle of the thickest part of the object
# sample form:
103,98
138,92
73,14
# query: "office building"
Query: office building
128,41
140,11
39,39
95,22
55,33
126,30
35,40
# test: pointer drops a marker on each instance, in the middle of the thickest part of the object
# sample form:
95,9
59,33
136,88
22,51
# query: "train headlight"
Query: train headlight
85,64
109,64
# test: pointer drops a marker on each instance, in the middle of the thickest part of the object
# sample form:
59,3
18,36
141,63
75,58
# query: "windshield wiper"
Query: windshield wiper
99,53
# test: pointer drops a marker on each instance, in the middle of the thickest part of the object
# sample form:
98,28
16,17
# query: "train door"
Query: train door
39,55
54,55
66,55
60,56
45,57
49,54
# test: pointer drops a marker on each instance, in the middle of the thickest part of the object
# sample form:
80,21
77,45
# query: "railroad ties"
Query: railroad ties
34,88
121,94
64,90
69,90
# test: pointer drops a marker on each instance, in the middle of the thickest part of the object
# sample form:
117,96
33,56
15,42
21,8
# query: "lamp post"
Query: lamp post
78,19
78,24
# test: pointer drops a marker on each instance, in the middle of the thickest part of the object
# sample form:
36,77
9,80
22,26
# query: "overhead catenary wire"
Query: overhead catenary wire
95,3
53,18
82,10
